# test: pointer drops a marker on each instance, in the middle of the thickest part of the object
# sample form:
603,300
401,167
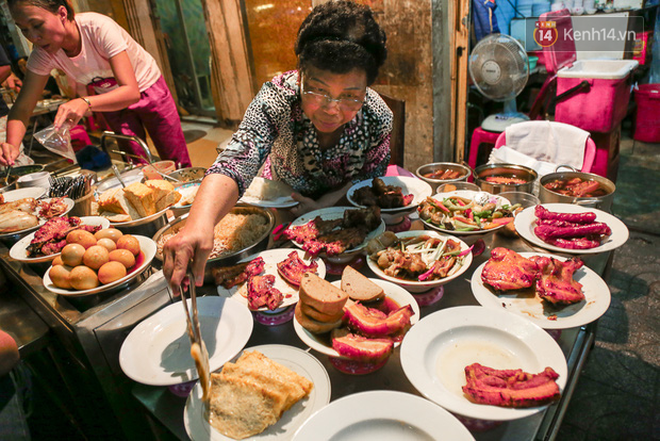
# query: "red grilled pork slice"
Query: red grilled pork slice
578,218
261,292
372,322
546,232
231,276
357,347
292,268
574,243
556,284
507,270
510,387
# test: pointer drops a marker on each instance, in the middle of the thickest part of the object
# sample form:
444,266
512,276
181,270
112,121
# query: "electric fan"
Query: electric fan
499,68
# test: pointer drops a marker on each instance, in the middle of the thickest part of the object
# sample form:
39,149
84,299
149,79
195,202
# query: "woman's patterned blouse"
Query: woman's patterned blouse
275,134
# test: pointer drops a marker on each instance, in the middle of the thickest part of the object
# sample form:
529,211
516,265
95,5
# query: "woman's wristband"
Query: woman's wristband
89,103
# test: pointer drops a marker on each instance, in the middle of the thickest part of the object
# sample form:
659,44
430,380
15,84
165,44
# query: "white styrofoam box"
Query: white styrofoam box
599,69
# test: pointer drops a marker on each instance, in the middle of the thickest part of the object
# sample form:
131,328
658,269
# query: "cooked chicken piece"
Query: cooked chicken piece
507,270
556,284
15,220
27,205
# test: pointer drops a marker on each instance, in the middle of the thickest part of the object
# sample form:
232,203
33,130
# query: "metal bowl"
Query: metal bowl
603,202
229,258
188,174
19,171
436,166
485,171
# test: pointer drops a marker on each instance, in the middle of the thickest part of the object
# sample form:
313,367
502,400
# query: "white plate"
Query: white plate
142,220
409,185
33,192
336,213
281,202
417,286
384,416
435,352
22,193
394,292
157,350
69,203
525,222
468,194
299,361
148,248
18,251
271,259
128,176
596,293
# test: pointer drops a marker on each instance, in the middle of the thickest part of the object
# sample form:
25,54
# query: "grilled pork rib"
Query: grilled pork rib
510,387
507,270
556,284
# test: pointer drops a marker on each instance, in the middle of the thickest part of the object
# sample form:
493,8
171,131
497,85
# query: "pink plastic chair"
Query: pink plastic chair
587,162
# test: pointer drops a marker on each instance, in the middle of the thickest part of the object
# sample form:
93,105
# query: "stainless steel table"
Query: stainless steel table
167,408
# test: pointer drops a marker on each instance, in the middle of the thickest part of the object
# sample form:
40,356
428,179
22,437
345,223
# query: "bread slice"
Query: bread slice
358,286
239,408
111,200
142,198
315,314
255,365
160,187
314,326
170,199
321,294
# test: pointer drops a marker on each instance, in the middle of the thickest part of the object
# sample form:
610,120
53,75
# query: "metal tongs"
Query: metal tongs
197,347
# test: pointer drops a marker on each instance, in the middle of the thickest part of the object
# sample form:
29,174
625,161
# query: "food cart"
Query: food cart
87,334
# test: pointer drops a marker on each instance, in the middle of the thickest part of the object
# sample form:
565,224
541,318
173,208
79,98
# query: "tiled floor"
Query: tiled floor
617,395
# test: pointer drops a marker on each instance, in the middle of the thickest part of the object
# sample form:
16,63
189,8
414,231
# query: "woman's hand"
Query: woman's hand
8,154
70,112
305,205
189,247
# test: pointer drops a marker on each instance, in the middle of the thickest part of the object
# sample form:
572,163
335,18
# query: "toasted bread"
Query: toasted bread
315,314
142,198
168,200
321,294
314,326
358,286
111,200
160,187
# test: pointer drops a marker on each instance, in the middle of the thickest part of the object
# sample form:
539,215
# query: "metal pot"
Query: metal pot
230,258
437,166
18,171
485,171
600,202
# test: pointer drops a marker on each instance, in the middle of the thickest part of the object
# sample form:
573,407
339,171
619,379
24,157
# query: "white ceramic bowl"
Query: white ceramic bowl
417,286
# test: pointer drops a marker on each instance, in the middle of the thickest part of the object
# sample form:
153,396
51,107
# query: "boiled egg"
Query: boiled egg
96,256
83,277
124,257
108,233
59,274
111,271
84,238
130,243
72,254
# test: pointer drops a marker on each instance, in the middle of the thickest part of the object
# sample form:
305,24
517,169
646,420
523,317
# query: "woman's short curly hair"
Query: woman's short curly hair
340,36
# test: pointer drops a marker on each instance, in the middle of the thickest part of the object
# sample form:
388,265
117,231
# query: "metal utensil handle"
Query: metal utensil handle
570,167
118,175
107,134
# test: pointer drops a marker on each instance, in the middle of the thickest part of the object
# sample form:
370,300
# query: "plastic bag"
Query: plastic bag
57,141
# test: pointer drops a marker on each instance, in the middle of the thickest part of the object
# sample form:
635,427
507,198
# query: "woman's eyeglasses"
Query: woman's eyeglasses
322,99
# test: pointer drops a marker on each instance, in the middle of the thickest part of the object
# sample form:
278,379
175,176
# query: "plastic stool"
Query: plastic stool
479,137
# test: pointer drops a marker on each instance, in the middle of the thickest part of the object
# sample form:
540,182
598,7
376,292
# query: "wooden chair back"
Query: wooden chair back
398,108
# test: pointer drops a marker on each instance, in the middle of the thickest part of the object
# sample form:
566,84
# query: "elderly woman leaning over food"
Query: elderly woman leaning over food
319,129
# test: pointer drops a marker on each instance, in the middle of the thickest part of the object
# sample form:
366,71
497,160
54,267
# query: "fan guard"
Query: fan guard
499,67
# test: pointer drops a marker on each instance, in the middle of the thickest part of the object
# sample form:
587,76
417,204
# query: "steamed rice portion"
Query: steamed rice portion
233,233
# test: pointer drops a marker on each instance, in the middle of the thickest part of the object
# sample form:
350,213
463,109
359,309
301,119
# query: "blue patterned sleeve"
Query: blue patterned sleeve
251,143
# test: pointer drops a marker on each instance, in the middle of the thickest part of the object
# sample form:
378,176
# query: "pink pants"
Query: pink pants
156,112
